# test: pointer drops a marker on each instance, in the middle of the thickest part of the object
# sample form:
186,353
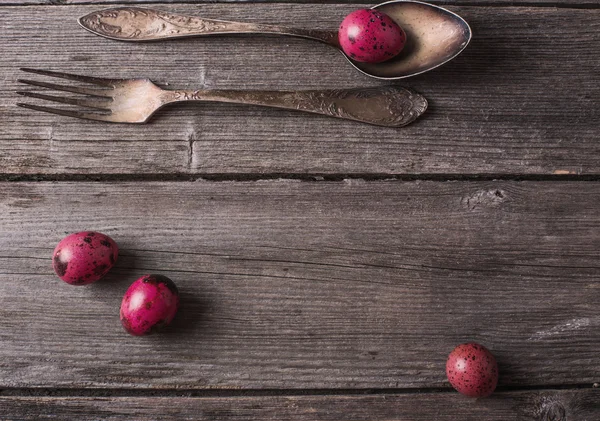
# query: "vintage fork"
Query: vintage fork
136,100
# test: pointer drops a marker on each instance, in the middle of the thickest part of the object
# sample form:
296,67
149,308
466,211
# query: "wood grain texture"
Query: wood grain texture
108,3
579,405
522,99
306,285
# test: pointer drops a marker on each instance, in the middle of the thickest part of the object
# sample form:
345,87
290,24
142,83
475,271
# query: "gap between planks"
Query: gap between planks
245,177
214,393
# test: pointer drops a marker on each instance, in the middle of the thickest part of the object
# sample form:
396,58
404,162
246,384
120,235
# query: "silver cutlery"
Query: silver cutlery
136,100
434,35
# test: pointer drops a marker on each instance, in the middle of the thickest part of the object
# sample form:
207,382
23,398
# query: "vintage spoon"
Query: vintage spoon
434,35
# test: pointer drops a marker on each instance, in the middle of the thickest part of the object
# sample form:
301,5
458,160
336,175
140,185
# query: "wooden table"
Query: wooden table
327,268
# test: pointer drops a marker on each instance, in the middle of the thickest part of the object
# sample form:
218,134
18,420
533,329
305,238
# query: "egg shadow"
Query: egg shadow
408,49
121,275
191,316
506,370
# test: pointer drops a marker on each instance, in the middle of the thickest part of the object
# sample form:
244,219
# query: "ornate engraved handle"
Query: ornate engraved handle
386,106
140,24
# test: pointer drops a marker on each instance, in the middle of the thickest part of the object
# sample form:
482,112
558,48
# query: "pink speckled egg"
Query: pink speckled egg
472,370
369,36
149,304
84,257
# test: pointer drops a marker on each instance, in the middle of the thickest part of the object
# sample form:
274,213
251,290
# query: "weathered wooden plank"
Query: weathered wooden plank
298,284
555,405
522,99
108,3
29,156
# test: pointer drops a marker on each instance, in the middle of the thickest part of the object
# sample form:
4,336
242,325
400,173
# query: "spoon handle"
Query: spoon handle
385,106
141,24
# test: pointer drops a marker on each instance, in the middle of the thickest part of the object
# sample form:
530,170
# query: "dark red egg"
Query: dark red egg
149,304
472,370
369,36
84,257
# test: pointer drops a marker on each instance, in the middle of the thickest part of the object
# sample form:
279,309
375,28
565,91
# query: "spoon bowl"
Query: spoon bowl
434,35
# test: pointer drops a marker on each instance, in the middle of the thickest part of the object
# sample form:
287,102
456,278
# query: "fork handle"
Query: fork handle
384,106
142,24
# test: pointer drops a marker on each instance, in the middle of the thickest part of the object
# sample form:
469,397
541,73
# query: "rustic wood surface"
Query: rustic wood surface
581,405
522,99
306,285
333,286
151,3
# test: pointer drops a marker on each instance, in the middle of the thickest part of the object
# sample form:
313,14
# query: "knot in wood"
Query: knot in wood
484,199
553,411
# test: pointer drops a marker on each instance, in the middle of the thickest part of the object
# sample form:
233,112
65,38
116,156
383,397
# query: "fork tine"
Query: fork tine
74,89
91,103
86,79
76,114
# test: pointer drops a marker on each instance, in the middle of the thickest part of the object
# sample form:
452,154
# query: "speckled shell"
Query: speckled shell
149,304
84,257
369,36
472,370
